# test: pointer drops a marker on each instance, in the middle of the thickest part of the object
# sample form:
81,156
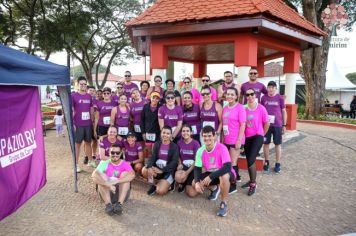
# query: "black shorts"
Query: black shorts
277,135
115,196
229,146
216,181
190,177
83,134
102,130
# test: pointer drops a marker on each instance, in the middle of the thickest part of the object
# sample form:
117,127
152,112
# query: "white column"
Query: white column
290,87
161,72
242,74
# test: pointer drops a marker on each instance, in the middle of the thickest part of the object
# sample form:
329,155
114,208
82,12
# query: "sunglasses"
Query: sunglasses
253,73
205,80
186,82
113,153
158,81
127,76
119,87
205,94
250,94
155,97
170,97
106,93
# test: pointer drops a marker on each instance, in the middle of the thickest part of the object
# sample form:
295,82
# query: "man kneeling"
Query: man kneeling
214,159
112,173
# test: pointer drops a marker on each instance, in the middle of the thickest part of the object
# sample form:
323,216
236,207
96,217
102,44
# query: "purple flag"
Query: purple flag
22,157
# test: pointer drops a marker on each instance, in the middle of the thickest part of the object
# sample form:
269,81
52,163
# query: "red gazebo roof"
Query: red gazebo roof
171,11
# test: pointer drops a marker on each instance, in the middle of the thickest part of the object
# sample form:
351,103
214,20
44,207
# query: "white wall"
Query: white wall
344,97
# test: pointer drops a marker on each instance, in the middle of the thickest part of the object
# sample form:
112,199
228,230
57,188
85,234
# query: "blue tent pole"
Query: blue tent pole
64,94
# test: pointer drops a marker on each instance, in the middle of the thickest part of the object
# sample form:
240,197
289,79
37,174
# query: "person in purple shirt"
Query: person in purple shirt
82,105
162,164
128,85
120,116
103,113
277,114
145,85
155,88
228,83
105,142
206,81
191,115
187,149
258,87
171,115
119,91
94,142
133,152
137,105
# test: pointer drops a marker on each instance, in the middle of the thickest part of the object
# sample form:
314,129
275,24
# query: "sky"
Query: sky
344,57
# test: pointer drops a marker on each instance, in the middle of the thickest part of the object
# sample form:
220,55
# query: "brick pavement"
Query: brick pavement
314,195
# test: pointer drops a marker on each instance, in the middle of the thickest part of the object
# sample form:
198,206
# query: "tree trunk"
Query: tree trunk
314,61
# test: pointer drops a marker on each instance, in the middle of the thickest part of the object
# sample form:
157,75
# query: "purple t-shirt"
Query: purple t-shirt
81,104
104,109
192,118
258,87
255,121
209,117
131,153
122,118
128,89
274,105
170,116
163,152
106,144
187,151
136,109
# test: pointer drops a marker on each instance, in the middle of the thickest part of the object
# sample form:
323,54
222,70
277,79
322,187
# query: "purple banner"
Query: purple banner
22,157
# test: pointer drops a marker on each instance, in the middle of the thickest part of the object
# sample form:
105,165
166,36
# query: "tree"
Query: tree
352,77
314,60
77,71
94,32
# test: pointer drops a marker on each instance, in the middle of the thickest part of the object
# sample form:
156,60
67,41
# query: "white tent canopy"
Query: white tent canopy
335,80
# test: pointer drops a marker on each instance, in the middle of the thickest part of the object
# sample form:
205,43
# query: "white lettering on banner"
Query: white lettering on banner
17,147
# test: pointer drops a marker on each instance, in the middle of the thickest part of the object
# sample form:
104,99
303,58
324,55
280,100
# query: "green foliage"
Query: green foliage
47,109
333,119
77,71
352,77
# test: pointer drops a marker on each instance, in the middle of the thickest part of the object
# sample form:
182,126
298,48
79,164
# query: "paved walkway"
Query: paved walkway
314,195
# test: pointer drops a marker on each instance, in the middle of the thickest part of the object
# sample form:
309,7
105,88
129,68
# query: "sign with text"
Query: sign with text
22,157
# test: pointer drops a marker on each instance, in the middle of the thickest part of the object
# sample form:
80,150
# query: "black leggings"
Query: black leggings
252,147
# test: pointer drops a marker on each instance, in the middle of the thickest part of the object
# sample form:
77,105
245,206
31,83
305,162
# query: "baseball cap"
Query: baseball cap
155,94
131,134
272,83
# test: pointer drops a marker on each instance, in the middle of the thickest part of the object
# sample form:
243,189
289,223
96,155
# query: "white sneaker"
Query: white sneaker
78,169
92,163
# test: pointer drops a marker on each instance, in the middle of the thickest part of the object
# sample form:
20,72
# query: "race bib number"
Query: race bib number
209,123
226,130
194,129
161,163
85,116
137,128
106,120
151,137
188,163
123,130
271,119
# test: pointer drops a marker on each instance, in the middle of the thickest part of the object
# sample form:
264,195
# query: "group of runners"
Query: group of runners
189,139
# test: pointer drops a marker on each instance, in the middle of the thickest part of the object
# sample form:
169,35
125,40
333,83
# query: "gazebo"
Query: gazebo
243,32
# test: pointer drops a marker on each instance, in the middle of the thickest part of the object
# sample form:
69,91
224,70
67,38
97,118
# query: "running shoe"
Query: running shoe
222,210
86,159
172,188
118,208
78,169
109,209
277,167
266,166
238,178
152,190
181,188
233,188
92,163
214,193
252,189
246,185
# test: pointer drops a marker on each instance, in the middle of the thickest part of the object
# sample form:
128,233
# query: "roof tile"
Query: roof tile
182,10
